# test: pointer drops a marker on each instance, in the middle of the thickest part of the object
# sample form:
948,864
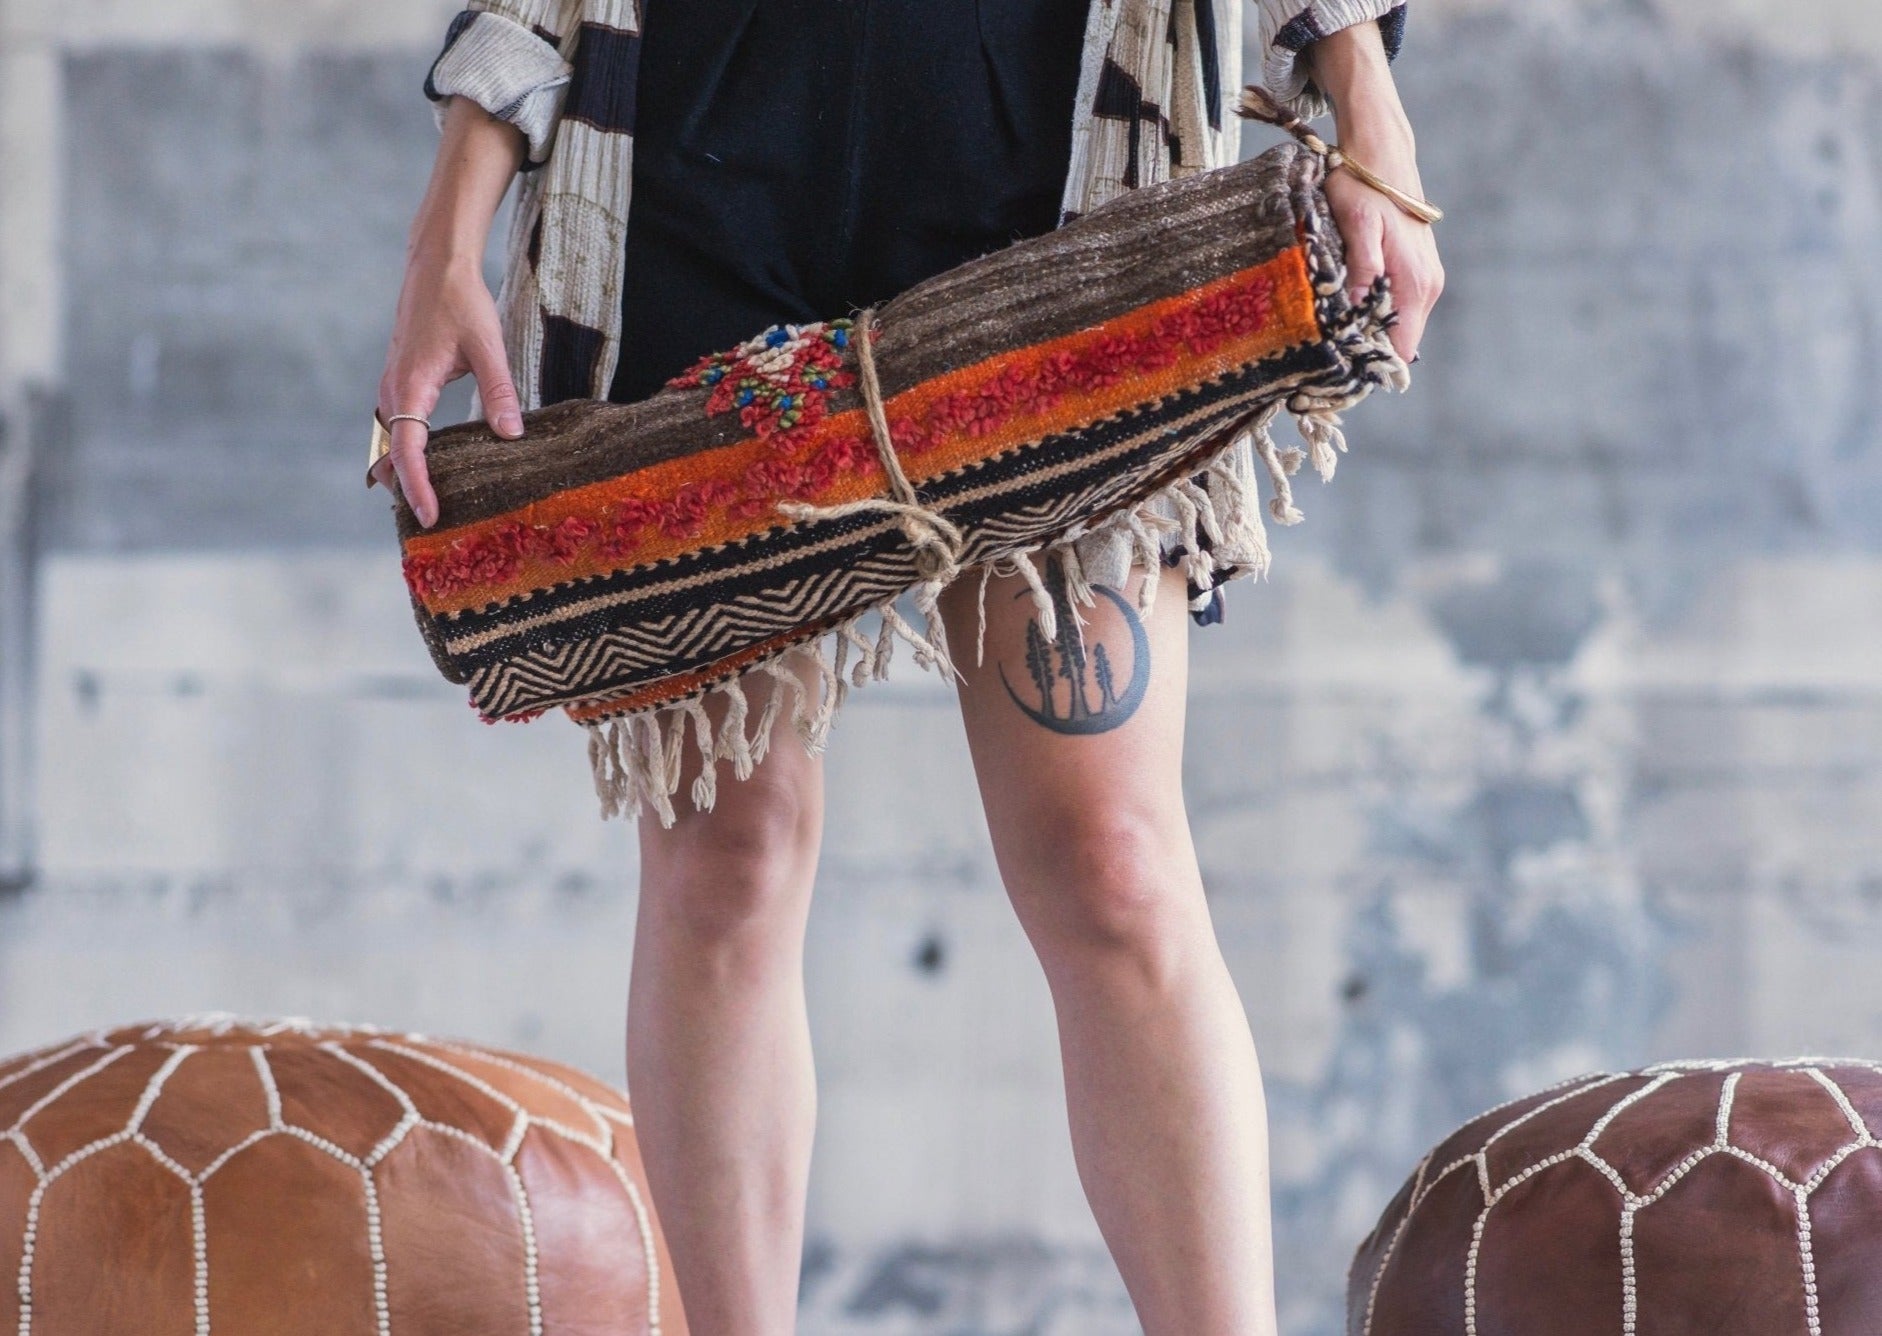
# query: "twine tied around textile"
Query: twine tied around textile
937,540
1258,104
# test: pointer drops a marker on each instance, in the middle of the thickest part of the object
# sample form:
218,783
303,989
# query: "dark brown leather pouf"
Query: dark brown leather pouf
1708,1198
280,1178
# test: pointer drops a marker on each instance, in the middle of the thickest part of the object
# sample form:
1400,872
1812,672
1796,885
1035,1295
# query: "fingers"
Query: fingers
1362,227
447,324
412,394
1381,240
503,410
1411,261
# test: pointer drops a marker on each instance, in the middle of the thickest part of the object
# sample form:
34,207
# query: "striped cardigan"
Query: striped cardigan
1158,83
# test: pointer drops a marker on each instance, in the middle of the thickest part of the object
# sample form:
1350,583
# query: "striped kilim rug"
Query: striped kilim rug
626,561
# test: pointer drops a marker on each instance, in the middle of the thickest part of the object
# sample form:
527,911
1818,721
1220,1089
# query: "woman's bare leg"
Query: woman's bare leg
718,1042
1084,802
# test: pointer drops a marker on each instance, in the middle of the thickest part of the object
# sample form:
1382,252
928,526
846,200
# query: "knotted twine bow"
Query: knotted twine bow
937,540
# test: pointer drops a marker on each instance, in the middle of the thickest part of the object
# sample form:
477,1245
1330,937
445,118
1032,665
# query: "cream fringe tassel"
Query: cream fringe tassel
637,758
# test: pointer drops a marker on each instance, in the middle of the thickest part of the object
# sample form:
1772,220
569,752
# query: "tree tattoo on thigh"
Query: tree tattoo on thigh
1074,686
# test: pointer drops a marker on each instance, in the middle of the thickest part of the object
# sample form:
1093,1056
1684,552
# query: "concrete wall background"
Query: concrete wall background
1550,745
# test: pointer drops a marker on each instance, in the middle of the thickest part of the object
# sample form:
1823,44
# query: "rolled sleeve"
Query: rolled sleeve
1288,28
512,71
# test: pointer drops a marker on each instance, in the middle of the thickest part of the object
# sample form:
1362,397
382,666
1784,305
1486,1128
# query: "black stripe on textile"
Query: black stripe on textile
1211,60
729,566
1303,30
1119,94
1121,98
1392,29
570,351
1299,32
459,22
607,71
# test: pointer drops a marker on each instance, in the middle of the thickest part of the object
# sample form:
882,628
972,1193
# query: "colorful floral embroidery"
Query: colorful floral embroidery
798,371
778,381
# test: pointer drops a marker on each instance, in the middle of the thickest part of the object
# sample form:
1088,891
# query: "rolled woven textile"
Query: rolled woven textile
624,561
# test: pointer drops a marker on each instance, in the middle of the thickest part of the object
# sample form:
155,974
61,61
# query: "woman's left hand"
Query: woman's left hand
1380,237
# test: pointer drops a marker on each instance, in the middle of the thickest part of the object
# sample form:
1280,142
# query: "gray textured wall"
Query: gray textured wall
1550,745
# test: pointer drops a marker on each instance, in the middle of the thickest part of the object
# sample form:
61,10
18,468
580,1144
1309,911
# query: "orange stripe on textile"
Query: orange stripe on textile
719,496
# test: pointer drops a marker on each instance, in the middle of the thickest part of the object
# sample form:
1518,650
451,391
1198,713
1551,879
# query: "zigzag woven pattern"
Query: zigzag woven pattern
625,560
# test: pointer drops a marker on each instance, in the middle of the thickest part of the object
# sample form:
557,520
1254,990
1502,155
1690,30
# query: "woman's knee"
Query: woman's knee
1119,879
746,863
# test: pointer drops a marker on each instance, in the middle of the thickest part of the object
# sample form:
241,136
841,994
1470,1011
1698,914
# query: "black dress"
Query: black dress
795,160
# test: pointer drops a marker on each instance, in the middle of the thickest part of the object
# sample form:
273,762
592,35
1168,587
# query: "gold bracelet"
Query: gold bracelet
1421,209
1258,104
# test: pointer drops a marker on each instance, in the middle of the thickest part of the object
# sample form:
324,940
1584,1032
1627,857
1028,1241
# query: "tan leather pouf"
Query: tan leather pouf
282,1178
1709,1198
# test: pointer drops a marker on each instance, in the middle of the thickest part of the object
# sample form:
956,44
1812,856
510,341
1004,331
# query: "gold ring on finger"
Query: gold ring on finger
381,446
382,438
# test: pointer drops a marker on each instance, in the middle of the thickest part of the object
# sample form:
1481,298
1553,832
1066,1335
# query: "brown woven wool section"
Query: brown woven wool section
624,561
1714,1197
210,1174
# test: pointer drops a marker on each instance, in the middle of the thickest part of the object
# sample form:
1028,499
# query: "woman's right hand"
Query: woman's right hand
446,327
